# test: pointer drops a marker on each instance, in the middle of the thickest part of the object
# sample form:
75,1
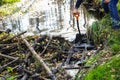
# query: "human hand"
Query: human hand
106,1
75,11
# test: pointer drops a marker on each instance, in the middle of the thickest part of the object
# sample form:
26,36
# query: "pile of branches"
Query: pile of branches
32,57
39,57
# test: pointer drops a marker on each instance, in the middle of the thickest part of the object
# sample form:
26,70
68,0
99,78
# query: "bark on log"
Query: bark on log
49,72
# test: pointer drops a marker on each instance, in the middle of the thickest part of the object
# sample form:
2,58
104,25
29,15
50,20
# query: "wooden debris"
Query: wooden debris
38,58
46,46
4,66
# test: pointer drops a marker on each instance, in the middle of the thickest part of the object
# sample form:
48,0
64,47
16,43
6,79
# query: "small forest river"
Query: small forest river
51,17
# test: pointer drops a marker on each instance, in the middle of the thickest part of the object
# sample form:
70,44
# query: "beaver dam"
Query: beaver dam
40,57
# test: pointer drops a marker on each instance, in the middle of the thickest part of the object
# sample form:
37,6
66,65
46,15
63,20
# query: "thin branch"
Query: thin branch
7,56
46,46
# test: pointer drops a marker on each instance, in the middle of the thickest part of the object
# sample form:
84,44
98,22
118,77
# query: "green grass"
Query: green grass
100,30
93,59
101,33
114,42
108,71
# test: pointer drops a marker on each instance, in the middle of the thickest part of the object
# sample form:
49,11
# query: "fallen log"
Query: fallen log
49,72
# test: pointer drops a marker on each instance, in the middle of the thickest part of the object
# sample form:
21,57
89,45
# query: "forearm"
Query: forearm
78,3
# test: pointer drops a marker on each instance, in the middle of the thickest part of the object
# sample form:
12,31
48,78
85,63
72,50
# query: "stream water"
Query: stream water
51,17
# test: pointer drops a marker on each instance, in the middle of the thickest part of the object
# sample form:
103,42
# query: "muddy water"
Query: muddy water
51,17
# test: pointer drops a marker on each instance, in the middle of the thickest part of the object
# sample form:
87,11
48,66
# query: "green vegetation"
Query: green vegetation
119,5
8,1
3,12
114,42
102,33
107,61
106,71
9,69
7,7
11,78
100,30
95,58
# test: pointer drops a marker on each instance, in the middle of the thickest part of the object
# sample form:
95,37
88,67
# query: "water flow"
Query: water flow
51,17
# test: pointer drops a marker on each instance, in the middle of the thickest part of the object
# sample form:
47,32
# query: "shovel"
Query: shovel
79,37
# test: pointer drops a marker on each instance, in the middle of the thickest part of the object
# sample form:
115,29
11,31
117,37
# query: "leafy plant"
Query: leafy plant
11,78
9,69
100,30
